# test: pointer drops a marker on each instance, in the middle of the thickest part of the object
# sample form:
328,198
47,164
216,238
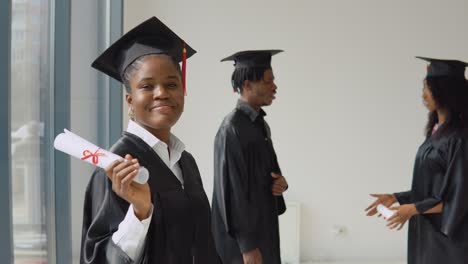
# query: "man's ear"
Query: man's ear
246,86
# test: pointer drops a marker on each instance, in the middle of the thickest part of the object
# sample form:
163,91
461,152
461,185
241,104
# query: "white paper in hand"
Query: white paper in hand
384,211
80,148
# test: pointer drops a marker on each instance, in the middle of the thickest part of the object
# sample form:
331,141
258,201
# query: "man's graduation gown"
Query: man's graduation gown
245,212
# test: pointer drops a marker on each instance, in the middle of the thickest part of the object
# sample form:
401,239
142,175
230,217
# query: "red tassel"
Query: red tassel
184,69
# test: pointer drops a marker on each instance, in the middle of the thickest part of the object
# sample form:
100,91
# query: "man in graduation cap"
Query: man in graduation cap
167,219
248,183
437,204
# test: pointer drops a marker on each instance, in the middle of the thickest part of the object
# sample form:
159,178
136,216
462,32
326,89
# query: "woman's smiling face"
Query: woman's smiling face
156,97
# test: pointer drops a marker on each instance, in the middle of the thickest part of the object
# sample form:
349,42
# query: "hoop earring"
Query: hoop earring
131,113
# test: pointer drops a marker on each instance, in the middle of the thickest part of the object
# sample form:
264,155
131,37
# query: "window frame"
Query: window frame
57,198
111,95
58,189
6,239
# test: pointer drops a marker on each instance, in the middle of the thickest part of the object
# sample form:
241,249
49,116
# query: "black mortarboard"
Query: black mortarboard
437,67
252,58
150,37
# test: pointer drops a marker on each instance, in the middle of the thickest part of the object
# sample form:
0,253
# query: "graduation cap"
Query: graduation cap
150,37
438,67
252,58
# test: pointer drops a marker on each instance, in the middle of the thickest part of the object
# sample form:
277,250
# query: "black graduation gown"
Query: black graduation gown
440,175
179,231
244,211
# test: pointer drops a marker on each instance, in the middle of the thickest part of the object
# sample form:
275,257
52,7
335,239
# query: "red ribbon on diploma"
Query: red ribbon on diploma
95,155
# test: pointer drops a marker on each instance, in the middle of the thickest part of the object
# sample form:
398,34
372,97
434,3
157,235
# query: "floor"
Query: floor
355,262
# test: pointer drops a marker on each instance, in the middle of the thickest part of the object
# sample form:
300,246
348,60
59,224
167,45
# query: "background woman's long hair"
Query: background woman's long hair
452,94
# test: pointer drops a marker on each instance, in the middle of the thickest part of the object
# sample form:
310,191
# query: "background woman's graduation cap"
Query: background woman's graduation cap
439,67
150,37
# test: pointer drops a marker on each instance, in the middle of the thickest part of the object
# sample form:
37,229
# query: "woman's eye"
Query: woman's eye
146,86
172,85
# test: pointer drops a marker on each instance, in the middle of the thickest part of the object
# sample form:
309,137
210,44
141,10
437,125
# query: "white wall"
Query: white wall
348,104
348,118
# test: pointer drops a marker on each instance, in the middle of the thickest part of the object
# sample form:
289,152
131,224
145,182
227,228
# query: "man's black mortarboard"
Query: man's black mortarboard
438,67
252,58
150,37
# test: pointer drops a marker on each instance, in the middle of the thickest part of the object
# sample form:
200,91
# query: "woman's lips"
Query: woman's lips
163,109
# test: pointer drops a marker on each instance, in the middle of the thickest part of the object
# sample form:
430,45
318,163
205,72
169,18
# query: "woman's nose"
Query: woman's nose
160,92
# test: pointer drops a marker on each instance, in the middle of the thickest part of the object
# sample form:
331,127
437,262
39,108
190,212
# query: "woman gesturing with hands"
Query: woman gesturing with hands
436,207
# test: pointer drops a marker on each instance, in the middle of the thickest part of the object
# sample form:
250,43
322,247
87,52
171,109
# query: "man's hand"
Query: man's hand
252,257
279,184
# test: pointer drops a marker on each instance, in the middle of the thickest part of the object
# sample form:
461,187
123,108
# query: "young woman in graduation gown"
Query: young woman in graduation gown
167,219
437,204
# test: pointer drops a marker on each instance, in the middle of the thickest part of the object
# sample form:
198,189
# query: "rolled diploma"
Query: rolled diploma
80,148
383,210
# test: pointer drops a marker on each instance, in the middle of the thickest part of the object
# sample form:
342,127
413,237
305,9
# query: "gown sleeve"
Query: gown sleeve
403,197
426,204
236,208
103,211
281,204
454,191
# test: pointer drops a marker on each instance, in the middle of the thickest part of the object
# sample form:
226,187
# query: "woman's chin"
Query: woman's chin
161,123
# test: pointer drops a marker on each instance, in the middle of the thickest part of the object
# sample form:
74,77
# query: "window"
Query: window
30,88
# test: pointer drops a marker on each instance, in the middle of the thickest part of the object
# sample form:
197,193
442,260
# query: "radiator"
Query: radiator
289,224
